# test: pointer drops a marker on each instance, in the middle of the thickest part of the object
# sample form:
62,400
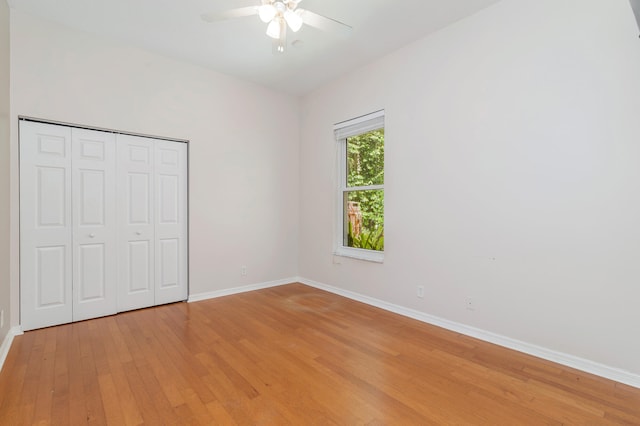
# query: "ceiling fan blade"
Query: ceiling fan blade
229,14
325,24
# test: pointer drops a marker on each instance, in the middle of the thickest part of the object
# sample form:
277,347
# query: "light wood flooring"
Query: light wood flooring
289,355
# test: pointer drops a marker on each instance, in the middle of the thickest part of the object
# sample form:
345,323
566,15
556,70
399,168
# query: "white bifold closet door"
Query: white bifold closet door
93,200
152,226
103,223
136,250
45,225
170,206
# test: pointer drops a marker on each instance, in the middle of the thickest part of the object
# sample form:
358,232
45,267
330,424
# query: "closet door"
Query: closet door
170,221
45,225
136,240
94,224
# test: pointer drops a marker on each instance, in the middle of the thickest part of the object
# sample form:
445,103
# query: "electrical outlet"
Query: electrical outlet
2,318
469,304
420,291
243,270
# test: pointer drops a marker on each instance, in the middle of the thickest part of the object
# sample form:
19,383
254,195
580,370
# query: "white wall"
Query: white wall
4,168
512,176
243,142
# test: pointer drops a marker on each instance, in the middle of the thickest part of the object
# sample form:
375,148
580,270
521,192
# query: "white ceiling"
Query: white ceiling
240,47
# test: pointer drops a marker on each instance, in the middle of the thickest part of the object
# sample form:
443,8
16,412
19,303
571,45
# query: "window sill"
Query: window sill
360,254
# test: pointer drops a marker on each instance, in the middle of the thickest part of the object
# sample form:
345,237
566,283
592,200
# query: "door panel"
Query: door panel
49,143
51,205
169,263
171,221
45,225
92,150
139,266
169,199
92,198
139,198
139,150
51,276
92,272
94,224
136,250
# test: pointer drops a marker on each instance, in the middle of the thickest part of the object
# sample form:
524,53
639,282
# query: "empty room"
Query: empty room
292,212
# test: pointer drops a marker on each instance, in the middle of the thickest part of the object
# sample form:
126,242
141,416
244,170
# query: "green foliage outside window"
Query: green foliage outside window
370,240
365,167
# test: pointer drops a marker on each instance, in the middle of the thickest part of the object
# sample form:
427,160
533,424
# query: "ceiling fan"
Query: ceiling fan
281,15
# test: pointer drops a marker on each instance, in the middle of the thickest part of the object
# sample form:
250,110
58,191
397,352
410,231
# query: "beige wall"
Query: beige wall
512,176
4,168
243,204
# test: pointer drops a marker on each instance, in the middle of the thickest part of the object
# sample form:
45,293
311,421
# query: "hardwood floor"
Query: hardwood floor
289,355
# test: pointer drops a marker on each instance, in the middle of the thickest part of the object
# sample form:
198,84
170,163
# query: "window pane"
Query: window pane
364,219
365,159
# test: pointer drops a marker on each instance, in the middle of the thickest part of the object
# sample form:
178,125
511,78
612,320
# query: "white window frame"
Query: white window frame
342,131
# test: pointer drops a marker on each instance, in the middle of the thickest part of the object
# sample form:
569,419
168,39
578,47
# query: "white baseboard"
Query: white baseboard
581,364
6,344
243,289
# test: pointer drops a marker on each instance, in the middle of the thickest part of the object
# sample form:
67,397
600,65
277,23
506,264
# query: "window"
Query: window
360,196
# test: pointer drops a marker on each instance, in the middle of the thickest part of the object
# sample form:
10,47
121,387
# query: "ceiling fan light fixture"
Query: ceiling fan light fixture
267,12
274,30
294,20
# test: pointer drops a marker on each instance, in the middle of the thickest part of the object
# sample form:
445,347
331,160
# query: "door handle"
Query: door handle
92,235
138,233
